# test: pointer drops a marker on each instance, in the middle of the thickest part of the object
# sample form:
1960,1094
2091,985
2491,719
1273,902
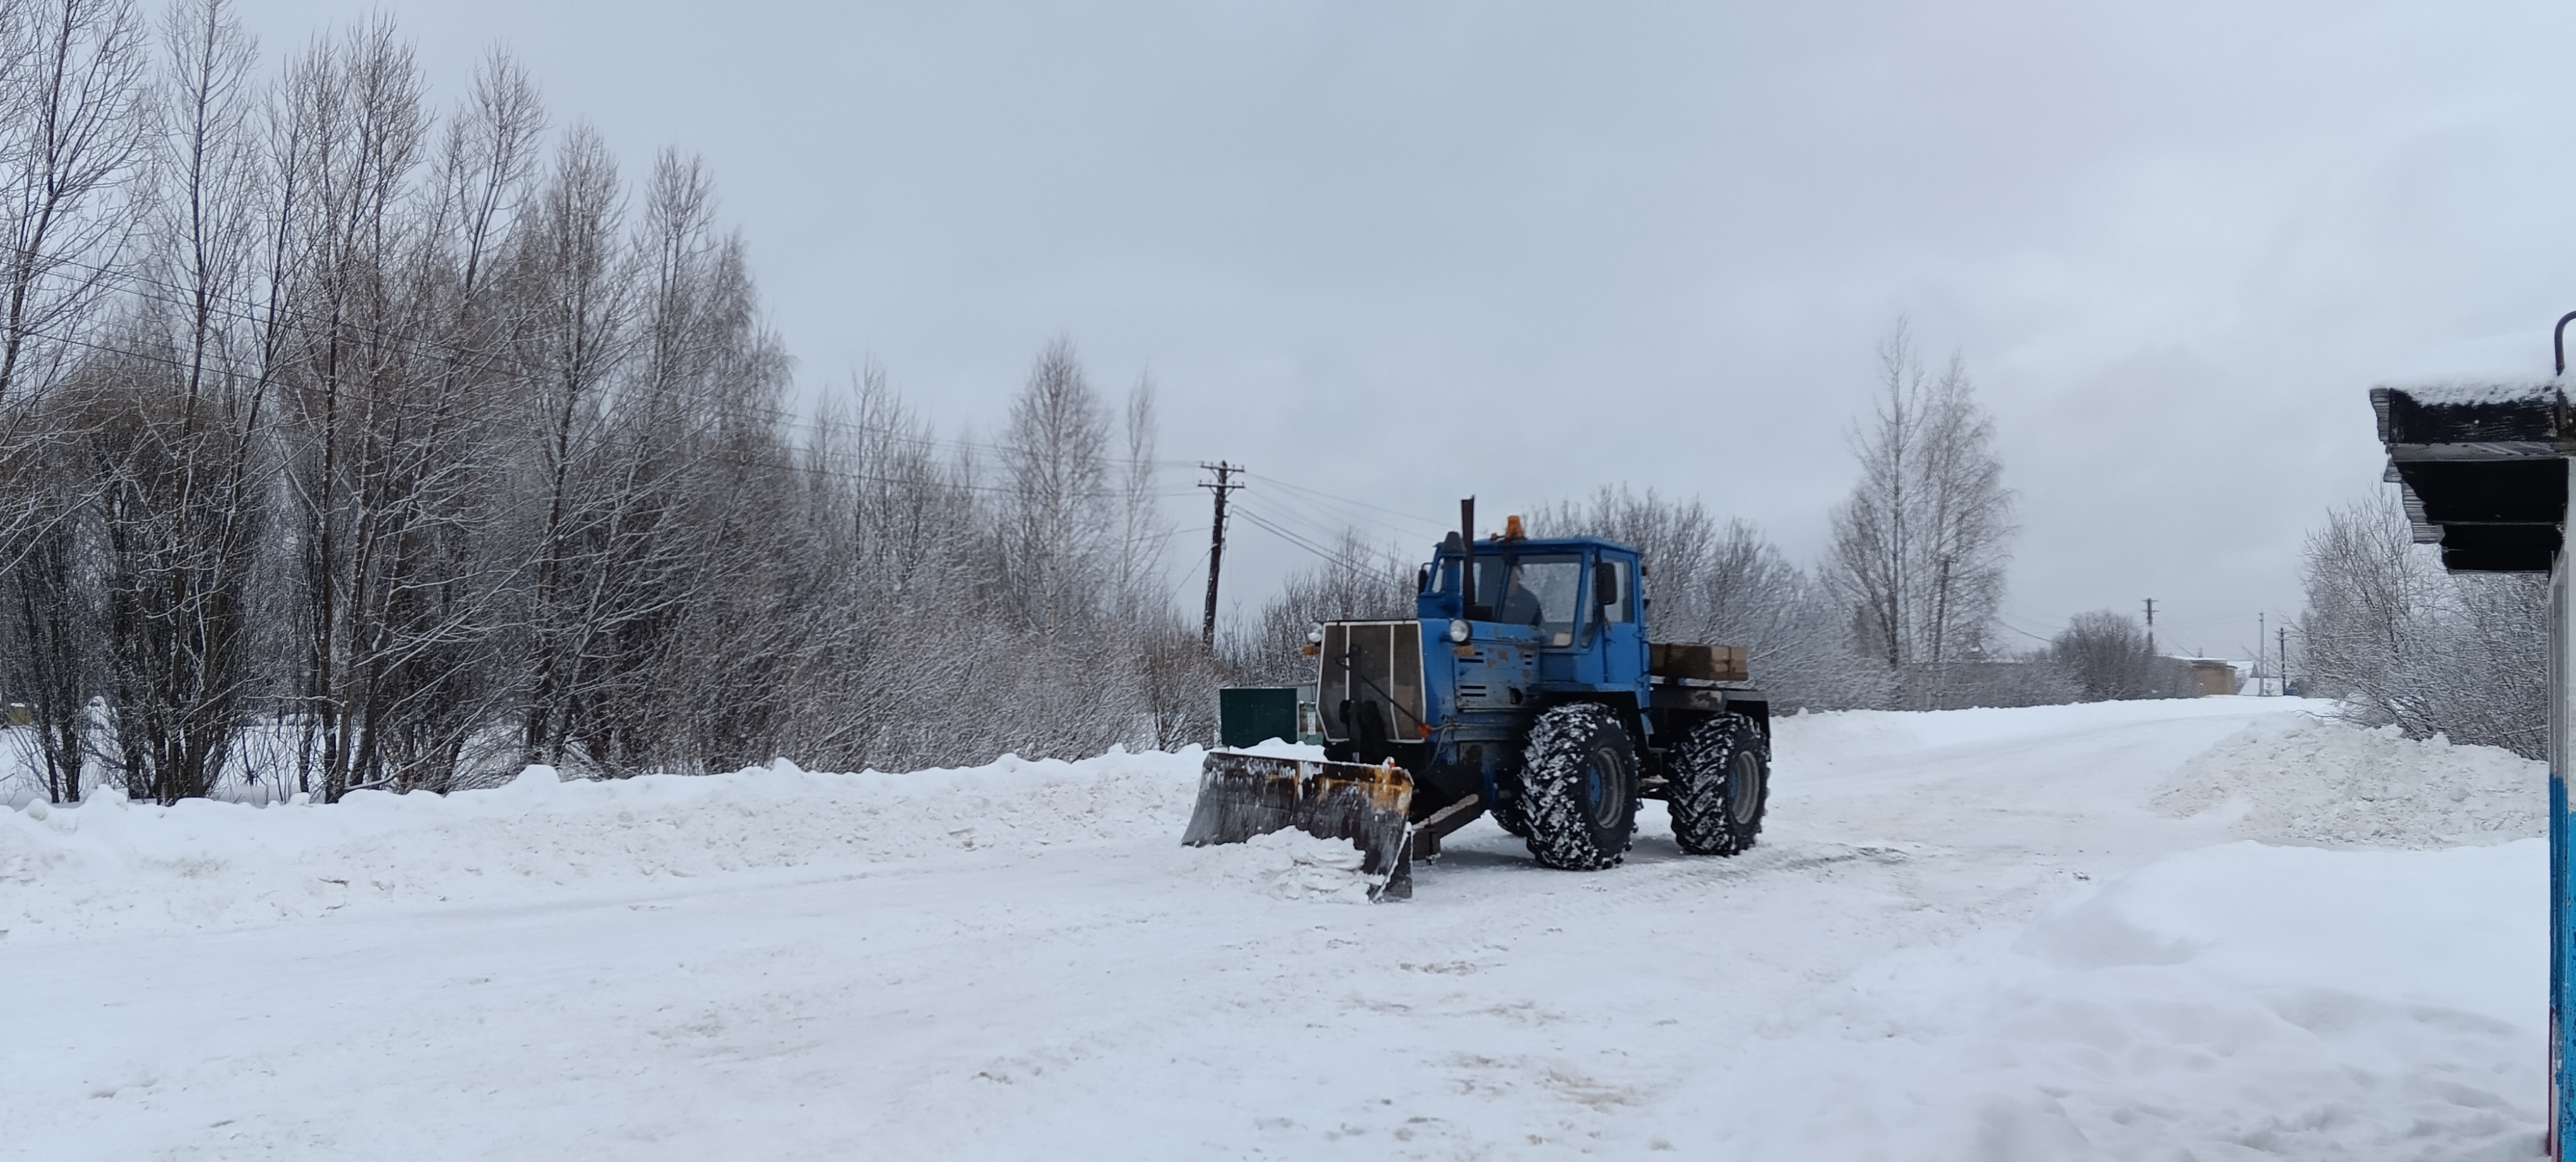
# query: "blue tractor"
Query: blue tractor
1526,686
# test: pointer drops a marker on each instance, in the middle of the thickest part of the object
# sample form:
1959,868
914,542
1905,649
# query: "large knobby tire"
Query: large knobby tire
1579,788
1721,783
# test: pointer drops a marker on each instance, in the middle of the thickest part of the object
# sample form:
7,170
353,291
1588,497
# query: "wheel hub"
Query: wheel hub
1605,787
1744,790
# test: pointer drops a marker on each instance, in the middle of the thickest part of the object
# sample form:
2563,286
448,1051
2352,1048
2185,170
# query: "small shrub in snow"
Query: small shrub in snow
2403,643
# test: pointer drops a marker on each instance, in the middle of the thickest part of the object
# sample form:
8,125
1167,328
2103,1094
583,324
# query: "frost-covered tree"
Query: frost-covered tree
354,443
1060,515
2107,655
1920,547
2402,642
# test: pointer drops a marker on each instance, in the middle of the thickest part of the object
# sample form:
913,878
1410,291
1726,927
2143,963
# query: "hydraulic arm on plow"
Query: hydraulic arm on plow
1525,688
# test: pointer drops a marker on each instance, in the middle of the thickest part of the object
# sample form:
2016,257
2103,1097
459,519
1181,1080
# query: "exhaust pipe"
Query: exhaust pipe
1467,558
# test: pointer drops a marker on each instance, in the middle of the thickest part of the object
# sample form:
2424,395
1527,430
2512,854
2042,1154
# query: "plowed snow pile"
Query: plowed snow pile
110,866
1290,865
2318,781
2236,1002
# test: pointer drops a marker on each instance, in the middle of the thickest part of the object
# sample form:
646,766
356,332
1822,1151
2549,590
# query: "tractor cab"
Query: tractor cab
1572,602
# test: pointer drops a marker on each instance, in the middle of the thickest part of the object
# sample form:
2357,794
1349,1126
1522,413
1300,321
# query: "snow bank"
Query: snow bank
2236,1001
1834,740
2329,783
108,866
1290,865
889,971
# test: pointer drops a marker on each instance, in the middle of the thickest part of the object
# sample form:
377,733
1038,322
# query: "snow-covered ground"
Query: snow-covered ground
2210,929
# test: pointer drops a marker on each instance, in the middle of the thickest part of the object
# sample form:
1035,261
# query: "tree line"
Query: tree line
350,443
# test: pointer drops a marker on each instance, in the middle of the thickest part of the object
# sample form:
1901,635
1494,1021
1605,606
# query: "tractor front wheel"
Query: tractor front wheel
1579,788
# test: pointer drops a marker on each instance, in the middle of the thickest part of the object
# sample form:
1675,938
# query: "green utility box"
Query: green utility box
1251,715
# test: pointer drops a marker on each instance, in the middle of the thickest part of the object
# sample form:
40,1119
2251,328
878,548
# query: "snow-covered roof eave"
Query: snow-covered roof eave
2472,418
2480,463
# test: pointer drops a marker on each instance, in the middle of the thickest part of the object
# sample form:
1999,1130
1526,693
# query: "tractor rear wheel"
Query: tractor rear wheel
1721,784
1579,788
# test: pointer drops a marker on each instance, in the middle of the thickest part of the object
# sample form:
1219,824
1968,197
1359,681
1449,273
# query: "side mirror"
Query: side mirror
1605,584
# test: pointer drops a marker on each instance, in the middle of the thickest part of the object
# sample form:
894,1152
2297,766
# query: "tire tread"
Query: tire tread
1561,830
1703,771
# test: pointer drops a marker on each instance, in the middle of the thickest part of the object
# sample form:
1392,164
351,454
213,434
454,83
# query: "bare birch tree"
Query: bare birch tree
176,431
1137,583
1059,518
1920,547
576,332
75,120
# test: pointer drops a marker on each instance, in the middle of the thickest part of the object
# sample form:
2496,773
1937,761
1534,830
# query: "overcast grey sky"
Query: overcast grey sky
1408,251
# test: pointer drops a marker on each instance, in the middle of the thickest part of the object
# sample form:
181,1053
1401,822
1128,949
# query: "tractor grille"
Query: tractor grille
1371,686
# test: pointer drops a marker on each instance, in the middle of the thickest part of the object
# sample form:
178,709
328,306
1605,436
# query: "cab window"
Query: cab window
1621,609
1544,592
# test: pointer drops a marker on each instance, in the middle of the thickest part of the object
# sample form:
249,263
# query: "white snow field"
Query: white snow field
2213,929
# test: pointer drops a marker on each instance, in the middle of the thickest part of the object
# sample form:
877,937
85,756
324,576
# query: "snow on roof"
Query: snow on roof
2486,418
2478,391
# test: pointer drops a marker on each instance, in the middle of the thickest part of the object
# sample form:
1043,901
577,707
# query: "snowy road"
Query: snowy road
1977,934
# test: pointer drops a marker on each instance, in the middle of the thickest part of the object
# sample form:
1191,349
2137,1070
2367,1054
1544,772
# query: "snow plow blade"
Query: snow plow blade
1243,795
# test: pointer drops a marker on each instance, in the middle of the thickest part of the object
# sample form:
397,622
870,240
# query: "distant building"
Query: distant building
2199,677
2214,675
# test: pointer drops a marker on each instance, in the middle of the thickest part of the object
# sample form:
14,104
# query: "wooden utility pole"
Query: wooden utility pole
1216,542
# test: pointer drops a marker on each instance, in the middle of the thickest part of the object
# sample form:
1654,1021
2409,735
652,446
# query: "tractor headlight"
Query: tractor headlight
1458,630
1315,633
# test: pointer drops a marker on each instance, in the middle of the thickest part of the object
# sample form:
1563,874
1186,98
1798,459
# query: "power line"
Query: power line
1323,531
1437,527
1333,523
1324,546
1355,570
2023,632
1248,513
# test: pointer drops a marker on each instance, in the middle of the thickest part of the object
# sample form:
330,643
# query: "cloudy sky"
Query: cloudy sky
1403,252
